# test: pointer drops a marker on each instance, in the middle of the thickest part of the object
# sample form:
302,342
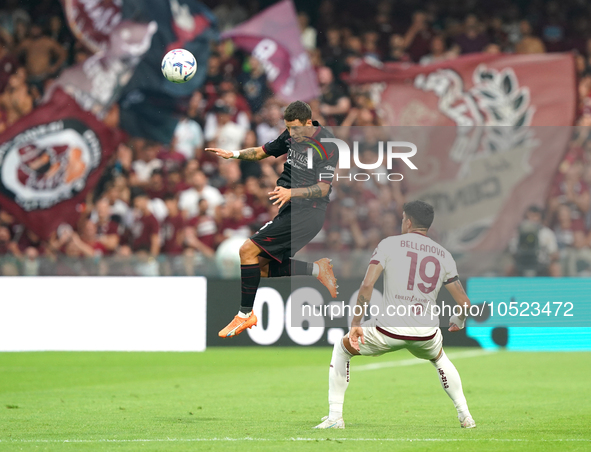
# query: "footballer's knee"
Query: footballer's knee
264,266
249,252
349,347
438,356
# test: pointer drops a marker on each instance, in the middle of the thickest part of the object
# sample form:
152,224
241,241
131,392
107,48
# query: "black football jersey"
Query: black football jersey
296,171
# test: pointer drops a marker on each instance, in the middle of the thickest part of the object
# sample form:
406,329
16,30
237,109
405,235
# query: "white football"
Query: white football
179,66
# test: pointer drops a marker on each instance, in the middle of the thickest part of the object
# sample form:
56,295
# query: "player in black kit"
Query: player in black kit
303,189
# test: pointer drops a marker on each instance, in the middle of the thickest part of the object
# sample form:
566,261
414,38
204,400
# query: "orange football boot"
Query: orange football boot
326,276
238,325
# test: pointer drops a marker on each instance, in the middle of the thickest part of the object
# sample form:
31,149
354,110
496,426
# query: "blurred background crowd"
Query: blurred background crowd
167,208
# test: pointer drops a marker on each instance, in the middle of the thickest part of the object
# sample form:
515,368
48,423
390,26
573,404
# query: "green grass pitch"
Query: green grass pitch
267,399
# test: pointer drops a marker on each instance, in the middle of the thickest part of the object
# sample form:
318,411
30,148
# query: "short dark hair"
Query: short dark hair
420,213
298,110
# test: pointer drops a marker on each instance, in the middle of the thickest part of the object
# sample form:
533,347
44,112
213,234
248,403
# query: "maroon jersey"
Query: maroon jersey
141,232
229,225
171,228
109,228
205,229
172,160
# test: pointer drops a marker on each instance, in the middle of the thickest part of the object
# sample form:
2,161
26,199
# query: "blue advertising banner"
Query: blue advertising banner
542,314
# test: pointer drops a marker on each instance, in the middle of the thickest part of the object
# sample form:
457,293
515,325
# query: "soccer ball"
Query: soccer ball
179,66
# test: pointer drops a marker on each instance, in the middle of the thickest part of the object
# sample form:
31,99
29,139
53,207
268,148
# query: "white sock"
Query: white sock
452,384
315,270
338,379
242,315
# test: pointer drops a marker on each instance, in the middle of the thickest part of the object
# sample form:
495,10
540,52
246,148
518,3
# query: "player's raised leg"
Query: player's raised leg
452,384
321,269
250,277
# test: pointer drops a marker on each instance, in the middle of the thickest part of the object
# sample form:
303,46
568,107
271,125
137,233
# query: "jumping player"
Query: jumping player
415,267
302,195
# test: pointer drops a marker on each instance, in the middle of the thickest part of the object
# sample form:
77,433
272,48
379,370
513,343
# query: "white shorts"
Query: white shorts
377,343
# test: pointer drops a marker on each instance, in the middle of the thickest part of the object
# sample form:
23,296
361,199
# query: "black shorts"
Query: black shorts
285,235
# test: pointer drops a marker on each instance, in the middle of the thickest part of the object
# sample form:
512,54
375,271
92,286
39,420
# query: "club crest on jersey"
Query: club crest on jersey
47,164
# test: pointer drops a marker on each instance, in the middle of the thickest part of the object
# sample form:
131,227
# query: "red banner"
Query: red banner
93,21
97,82
273,37
482,156
49,160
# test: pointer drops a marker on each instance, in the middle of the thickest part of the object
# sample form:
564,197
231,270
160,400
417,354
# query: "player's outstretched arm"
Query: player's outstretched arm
371,276
245,154
456,290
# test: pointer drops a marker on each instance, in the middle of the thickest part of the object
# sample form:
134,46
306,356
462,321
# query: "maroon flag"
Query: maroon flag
49,160
92,22
486,150
273,37
97,82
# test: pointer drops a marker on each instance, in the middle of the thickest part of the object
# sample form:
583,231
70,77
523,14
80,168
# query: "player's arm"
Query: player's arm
363,298
282,195
456,290
257,153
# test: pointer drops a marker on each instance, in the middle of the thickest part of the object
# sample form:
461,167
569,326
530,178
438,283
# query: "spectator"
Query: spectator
438,51
196,108
397,49
497,35
417,39
572,190
220,129
272,124
237,104
214,75
253,82
308,32
534,248
528,42
577,259
188,138
7,246
472,39
332,51
229,14
108,232
43,56
11,15
15,101
147,162
145,230
173,228
370,45
155,187
189,199
8,63
88,243
235,218
334,103
553,32
201,231
565,228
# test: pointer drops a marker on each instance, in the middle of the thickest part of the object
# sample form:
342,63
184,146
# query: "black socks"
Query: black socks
250,276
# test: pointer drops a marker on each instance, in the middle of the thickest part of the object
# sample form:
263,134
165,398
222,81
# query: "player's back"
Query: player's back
415,268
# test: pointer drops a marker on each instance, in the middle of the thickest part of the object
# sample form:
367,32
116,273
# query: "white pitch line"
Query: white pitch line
190,440
415,361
